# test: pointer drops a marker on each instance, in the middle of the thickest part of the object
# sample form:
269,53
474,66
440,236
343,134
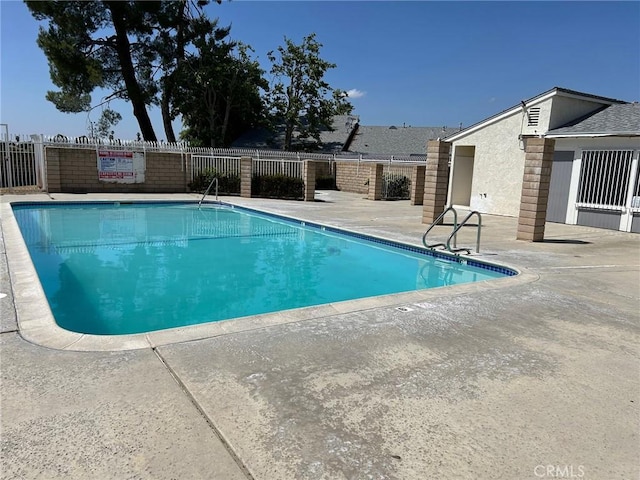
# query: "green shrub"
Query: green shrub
277,186
398,188
228,183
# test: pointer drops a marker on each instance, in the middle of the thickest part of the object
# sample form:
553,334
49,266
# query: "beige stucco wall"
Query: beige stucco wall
556,111
566,109
498,166
543,122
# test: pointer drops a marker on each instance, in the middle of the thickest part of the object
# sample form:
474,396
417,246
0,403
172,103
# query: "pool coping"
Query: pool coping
37,324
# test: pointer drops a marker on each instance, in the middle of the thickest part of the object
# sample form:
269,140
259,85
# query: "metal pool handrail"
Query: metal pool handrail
440,217
462,223
206,192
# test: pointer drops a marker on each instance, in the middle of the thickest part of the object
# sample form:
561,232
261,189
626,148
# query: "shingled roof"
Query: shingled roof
333,140
395,140
614,120
349,136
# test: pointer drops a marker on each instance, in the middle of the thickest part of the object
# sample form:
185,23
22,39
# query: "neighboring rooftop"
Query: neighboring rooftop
396,140
349,136
332,140
614,120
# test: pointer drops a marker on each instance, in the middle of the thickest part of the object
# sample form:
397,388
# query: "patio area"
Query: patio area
528,377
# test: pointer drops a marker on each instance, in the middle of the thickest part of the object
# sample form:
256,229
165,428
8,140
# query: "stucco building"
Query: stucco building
594,178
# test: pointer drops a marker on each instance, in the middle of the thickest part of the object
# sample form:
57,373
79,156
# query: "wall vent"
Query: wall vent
533,115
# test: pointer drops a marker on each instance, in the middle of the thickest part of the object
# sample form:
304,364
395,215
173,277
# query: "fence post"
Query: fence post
417,184
188,169
309,180
246,172
6,174
38,151
375,181
535,189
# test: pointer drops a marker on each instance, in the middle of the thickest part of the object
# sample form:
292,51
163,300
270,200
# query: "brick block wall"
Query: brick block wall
165,173
75,170
323,169
352,177
52,156
436,182
418,173
376,171
309,180
535,189
246,173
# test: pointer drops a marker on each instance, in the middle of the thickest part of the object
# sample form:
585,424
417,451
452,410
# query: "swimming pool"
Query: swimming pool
110,268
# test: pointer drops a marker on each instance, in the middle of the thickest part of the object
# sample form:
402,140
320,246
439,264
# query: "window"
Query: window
604,178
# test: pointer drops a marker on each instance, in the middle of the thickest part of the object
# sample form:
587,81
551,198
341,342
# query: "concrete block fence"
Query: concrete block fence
75,170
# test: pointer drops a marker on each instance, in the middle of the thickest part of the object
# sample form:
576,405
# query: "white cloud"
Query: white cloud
355,93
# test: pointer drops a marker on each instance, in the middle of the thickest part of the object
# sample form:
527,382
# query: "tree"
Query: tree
300,99
108,119
217,89
88,46
133,48
179,22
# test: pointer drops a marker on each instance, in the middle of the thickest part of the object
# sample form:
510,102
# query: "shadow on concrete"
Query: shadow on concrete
567,241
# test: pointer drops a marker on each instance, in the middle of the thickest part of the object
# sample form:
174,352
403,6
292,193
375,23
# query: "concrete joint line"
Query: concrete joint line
194,402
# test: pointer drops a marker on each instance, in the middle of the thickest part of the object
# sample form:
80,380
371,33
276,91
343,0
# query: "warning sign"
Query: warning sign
121,166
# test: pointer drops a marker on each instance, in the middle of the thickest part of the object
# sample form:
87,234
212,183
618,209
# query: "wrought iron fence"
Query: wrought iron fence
396,182
289,168
21,160
223,165
184,147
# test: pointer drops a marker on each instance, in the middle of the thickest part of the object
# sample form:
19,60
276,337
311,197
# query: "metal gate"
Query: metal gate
21,160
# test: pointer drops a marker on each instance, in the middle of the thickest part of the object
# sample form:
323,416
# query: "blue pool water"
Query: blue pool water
116,268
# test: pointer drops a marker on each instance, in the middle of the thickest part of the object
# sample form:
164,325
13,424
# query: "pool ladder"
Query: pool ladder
206,192
456,226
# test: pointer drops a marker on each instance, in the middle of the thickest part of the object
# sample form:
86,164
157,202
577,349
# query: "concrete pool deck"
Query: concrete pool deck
528,377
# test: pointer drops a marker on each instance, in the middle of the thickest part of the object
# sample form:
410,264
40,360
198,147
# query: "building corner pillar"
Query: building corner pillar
535,189
436,180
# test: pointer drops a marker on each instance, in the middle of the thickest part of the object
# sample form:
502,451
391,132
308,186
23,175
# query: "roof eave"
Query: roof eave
591,135
527,103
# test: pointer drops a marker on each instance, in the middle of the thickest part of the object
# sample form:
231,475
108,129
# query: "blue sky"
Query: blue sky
417,63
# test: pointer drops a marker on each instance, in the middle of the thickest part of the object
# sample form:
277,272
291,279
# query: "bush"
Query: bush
398,188
228,183
277,186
